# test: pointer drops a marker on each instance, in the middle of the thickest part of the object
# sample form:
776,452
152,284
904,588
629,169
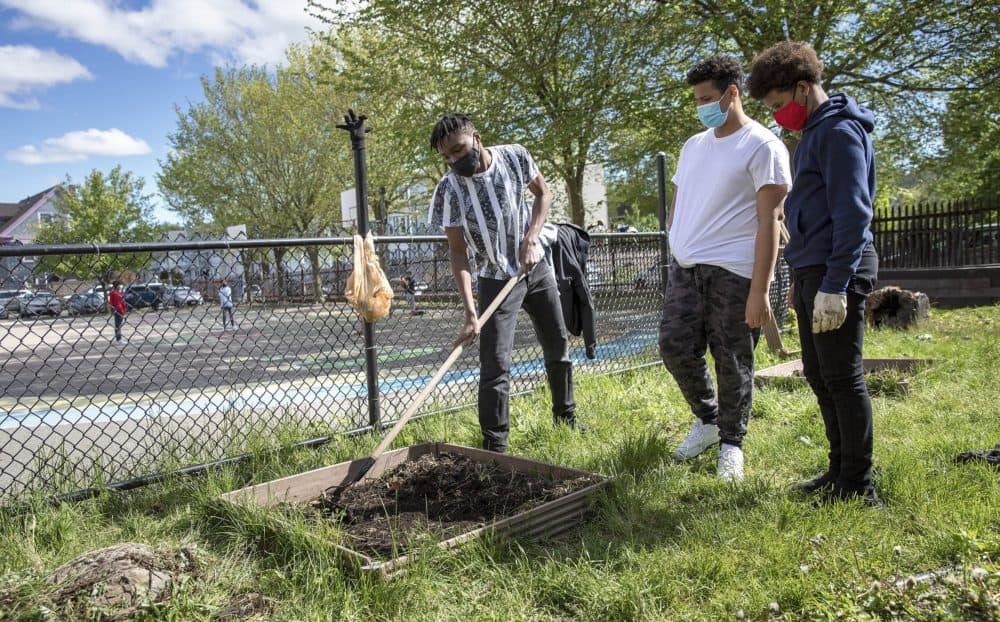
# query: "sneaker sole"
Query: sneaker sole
685,457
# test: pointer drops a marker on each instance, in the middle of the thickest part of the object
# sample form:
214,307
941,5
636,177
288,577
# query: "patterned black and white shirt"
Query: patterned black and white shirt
492,208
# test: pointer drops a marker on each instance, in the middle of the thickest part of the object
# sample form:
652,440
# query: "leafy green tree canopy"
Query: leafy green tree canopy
105,208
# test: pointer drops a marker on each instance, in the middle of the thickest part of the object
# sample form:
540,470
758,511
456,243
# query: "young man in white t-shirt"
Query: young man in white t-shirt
730,182
480,203
226,304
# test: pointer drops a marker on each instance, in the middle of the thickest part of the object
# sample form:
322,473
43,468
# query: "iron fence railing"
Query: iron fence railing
78,410
939,234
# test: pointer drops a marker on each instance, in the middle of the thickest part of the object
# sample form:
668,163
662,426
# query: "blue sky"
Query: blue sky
88,84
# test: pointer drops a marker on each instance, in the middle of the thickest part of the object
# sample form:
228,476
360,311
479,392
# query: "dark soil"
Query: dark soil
435,496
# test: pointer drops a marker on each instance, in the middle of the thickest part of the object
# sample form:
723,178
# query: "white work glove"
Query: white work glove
829,311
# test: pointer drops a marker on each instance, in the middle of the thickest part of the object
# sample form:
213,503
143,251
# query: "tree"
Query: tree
262,149
967,163
394,99
104,209
902,58
558,76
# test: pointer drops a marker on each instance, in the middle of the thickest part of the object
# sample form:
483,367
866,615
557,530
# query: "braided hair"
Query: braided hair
449,124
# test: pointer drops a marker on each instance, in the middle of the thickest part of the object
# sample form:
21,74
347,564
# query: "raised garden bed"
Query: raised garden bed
450,493
883,375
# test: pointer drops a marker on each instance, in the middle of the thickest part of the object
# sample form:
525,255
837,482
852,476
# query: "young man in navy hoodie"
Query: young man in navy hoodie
829,210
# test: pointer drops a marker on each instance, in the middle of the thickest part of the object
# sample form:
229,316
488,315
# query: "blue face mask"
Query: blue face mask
711,114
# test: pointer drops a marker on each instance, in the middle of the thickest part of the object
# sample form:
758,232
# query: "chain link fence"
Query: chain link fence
79,410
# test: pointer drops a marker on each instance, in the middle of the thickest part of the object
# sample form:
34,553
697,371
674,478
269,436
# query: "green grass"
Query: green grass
670,542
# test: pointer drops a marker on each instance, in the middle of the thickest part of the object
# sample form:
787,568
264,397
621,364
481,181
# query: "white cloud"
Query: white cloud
25,70
245,31
79,145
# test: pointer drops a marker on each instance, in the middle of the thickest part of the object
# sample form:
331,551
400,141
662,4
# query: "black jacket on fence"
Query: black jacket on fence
569,259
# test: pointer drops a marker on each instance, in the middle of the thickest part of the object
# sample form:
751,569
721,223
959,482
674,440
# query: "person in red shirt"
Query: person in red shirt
117,303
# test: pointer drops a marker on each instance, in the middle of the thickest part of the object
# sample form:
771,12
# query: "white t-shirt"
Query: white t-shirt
225,297
717,179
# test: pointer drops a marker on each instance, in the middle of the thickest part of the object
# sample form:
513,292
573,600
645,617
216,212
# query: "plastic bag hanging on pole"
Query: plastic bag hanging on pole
368,289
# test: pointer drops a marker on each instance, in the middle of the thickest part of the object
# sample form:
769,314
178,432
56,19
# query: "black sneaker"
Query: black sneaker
866,495
488,446
818,484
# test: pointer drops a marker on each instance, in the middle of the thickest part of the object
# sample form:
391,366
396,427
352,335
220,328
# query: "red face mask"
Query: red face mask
792,116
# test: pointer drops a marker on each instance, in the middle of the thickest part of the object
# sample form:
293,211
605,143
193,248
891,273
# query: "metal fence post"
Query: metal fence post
355,126
661,191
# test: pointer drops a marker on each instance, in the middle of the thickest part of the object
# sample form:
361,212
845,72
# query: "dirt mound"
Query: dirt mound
892,307
442,496
114,582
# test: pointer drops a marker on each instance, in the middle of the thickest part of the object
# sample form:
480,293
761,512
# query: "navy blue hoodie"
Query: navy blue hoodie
829,208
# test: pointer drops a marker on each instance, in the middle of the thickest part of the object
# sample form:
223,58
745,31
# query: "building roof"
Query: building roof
13,214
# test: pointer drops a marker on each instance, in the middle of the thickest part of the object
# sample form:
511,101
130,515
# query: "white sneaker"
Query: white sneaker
701,437
730,463
119,342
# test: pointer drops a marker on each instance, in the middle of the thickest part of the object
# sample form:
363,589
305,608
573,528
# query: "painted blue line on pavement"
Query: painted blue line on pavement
324,389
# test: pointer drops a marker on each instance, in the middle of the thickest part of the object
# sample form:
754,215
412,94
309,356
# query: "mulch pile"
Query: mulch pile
442,496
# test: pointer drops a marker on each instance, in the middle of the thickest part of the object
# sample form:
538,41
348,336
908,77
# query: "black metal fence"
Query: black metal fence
79,410
940,234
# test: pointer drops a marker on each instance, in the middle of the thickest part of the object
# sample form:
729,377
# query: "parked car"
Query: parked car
11,299
155,295
41,303
3,312
83,303
186,296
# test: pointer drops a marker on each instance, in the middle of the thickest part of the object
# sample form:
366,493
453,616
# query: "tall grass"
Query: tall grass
670,542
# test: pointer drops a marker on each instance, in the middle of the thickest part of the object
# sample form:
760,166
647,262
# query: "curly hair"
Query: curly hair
449,124
721,70
782,66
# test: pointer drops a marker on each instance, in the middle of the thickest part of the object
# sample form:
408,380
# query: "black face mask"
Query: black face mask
466,165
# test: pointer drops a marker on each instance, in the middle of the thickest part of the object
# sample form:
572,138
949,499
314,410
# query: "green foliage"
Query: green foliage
263,150
106,208
968,162
598,81
903,59
559,77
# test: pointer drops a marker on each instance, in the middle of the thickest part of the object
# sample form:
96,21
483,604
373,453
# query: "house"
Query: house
18,225
19,221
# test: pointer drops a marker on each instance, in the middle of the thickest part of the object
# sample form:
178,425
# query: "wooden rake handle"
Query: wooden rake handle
426,391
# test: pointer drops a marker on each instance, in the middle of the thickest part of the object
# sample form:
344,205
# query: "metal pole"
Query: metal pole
661,188
355,125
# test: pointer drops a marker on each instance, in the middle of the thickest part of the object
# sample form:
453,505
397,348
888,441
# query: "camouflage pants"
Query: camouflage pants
705,306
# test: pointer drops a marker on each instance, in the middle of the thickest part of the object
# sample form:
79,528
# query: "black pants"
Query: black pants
833,364
227,313
705,306
119,320
537,294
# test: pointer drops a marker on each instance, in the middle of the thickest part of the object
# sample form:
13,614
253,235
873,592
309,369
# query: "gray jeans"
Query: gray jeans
706,306
538,295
